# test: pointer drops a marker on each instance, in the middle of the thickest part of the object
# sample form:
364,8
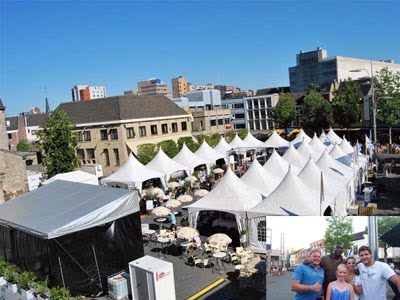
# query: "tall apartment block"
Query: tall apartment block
85,92
153,86
179,87
316,67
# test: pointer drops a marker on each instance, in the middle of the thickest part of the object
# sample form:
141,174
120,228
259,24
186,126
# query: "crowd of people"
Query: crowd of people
331,277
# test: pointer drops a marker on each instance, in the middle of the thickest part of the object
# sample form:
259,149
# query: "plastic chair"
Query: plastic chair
240,252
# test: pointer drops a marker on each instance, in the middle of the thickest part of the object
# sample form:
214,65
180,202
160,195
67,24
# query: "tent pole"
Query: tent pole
61,271
74,260
97,267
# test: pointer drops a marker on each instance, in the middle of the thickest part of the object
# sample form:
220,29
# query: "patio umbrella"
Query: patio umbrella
185,198
201,193
187,233
392,236
161,211
172,203
218,171
219,239
173,184
159,192
191,179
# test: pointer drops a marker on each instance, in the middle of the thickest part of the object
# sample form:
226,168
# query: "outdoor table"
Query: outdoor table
150,233
163,241
161,220
186,245
218,263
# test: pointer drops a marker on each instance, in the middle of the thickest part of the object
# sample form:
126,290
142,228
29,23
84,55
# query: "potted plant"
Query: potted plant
243,238
41,290
3,267
58,293
11,275
26,282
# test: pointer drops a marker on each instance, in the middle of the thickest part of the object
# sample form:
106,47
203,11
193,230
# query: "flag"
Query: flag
321,195
369,145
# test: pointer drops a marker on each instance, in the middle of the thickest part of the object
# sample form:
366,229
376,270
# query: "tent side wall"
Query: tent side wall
72,256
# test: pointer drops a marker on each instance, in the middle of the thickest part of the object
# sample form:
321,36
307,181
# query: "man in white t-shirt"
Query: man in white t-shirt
373,275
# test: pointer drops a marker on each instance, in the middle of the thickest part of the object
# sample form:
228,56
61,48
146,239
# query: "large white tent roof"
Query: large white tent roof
237,142
324,139
346,147
337,154
276,141
189,159
162,163
230,194
326,162
301,136
133,173
333,137
306,151
293,157
64,207
291,197
259,178
75,176
317,146
209,154
252,141
222,146
278,166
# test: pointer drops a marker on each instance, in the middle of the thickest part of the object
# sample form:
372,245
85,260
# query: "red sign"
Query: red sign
228,126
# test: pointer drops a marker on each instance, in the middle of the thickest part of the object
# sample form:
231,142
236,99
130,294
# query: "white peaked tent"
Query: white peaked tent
189,159
75,176
333,137
259,178
317,146
133,173
237,142
291,197
209,154
340,156
333,188
301,136
306,151
346,147
162,163
324,139
293,157
222,147
278,167
252,141
230,195
275,141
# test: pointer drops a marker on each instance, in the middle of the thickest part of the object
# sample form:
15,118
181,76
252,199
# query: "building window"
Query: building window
164,128
262,231
184,126
213,122
106,157
174,127
220,121
153,129
9,136
79,136
142,130
103,135
114,134
130,132
116,157
86,136
90,153
81,153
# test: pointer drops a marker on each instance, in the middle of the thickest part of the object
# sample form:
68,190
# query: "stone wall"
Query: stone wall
3,132
14,181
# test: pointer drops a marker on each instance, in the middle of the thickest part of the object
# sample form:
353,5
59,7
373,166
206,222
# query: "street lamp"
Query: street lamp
373,107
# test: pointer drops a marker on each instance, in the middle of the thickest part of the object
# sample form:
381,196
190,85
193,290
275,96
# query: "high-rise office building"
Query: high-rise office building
85,92
179,87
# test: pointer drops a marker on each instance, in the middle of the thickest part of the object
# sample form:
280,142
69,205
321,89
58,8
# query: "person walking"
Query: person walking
353,277
330,262
340,289
374,275
307,279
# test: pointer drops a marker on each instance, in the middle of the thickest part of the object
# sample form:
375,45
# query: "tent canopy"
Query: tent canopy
292,156
237,142
162,163
252,141
301,136
189,159
64,207
333,137
133,173
392,236
222,146
75,176
259,178
209,154
275,141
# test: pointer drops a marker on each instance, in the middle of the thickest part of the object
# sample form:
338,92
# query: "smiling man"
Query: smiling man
373,275
330,263
307,279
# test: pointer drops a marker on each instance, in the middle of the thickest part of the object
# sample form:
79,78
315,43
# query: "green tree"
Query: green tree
316,112
339,230
285,111
169,147
23,146
345,104
243,133
214,139
387,97
385,224
230,135
146,152
58,144
190,143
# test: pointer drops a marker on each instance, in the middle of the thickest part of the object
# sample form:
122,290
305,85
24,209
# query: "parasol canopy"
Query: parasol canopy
185,198
219,239
201,193
173,184
173,203
161,211
218,171
191,179
187,233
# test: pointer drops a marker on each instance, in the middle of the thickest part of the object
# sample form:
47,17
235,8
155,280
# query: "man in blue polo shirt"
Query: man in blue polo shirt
307,279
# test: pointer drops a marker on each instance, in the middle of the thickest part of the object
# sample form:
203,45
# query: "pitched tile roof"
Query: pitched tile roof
36,119
13,123
120,108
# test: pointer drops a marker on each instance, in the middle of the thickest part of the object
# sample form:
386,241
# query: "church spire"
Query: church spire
47,106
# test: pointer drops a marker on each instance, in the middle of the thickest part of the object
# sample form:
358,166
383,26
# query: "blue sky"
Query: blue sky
248,44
